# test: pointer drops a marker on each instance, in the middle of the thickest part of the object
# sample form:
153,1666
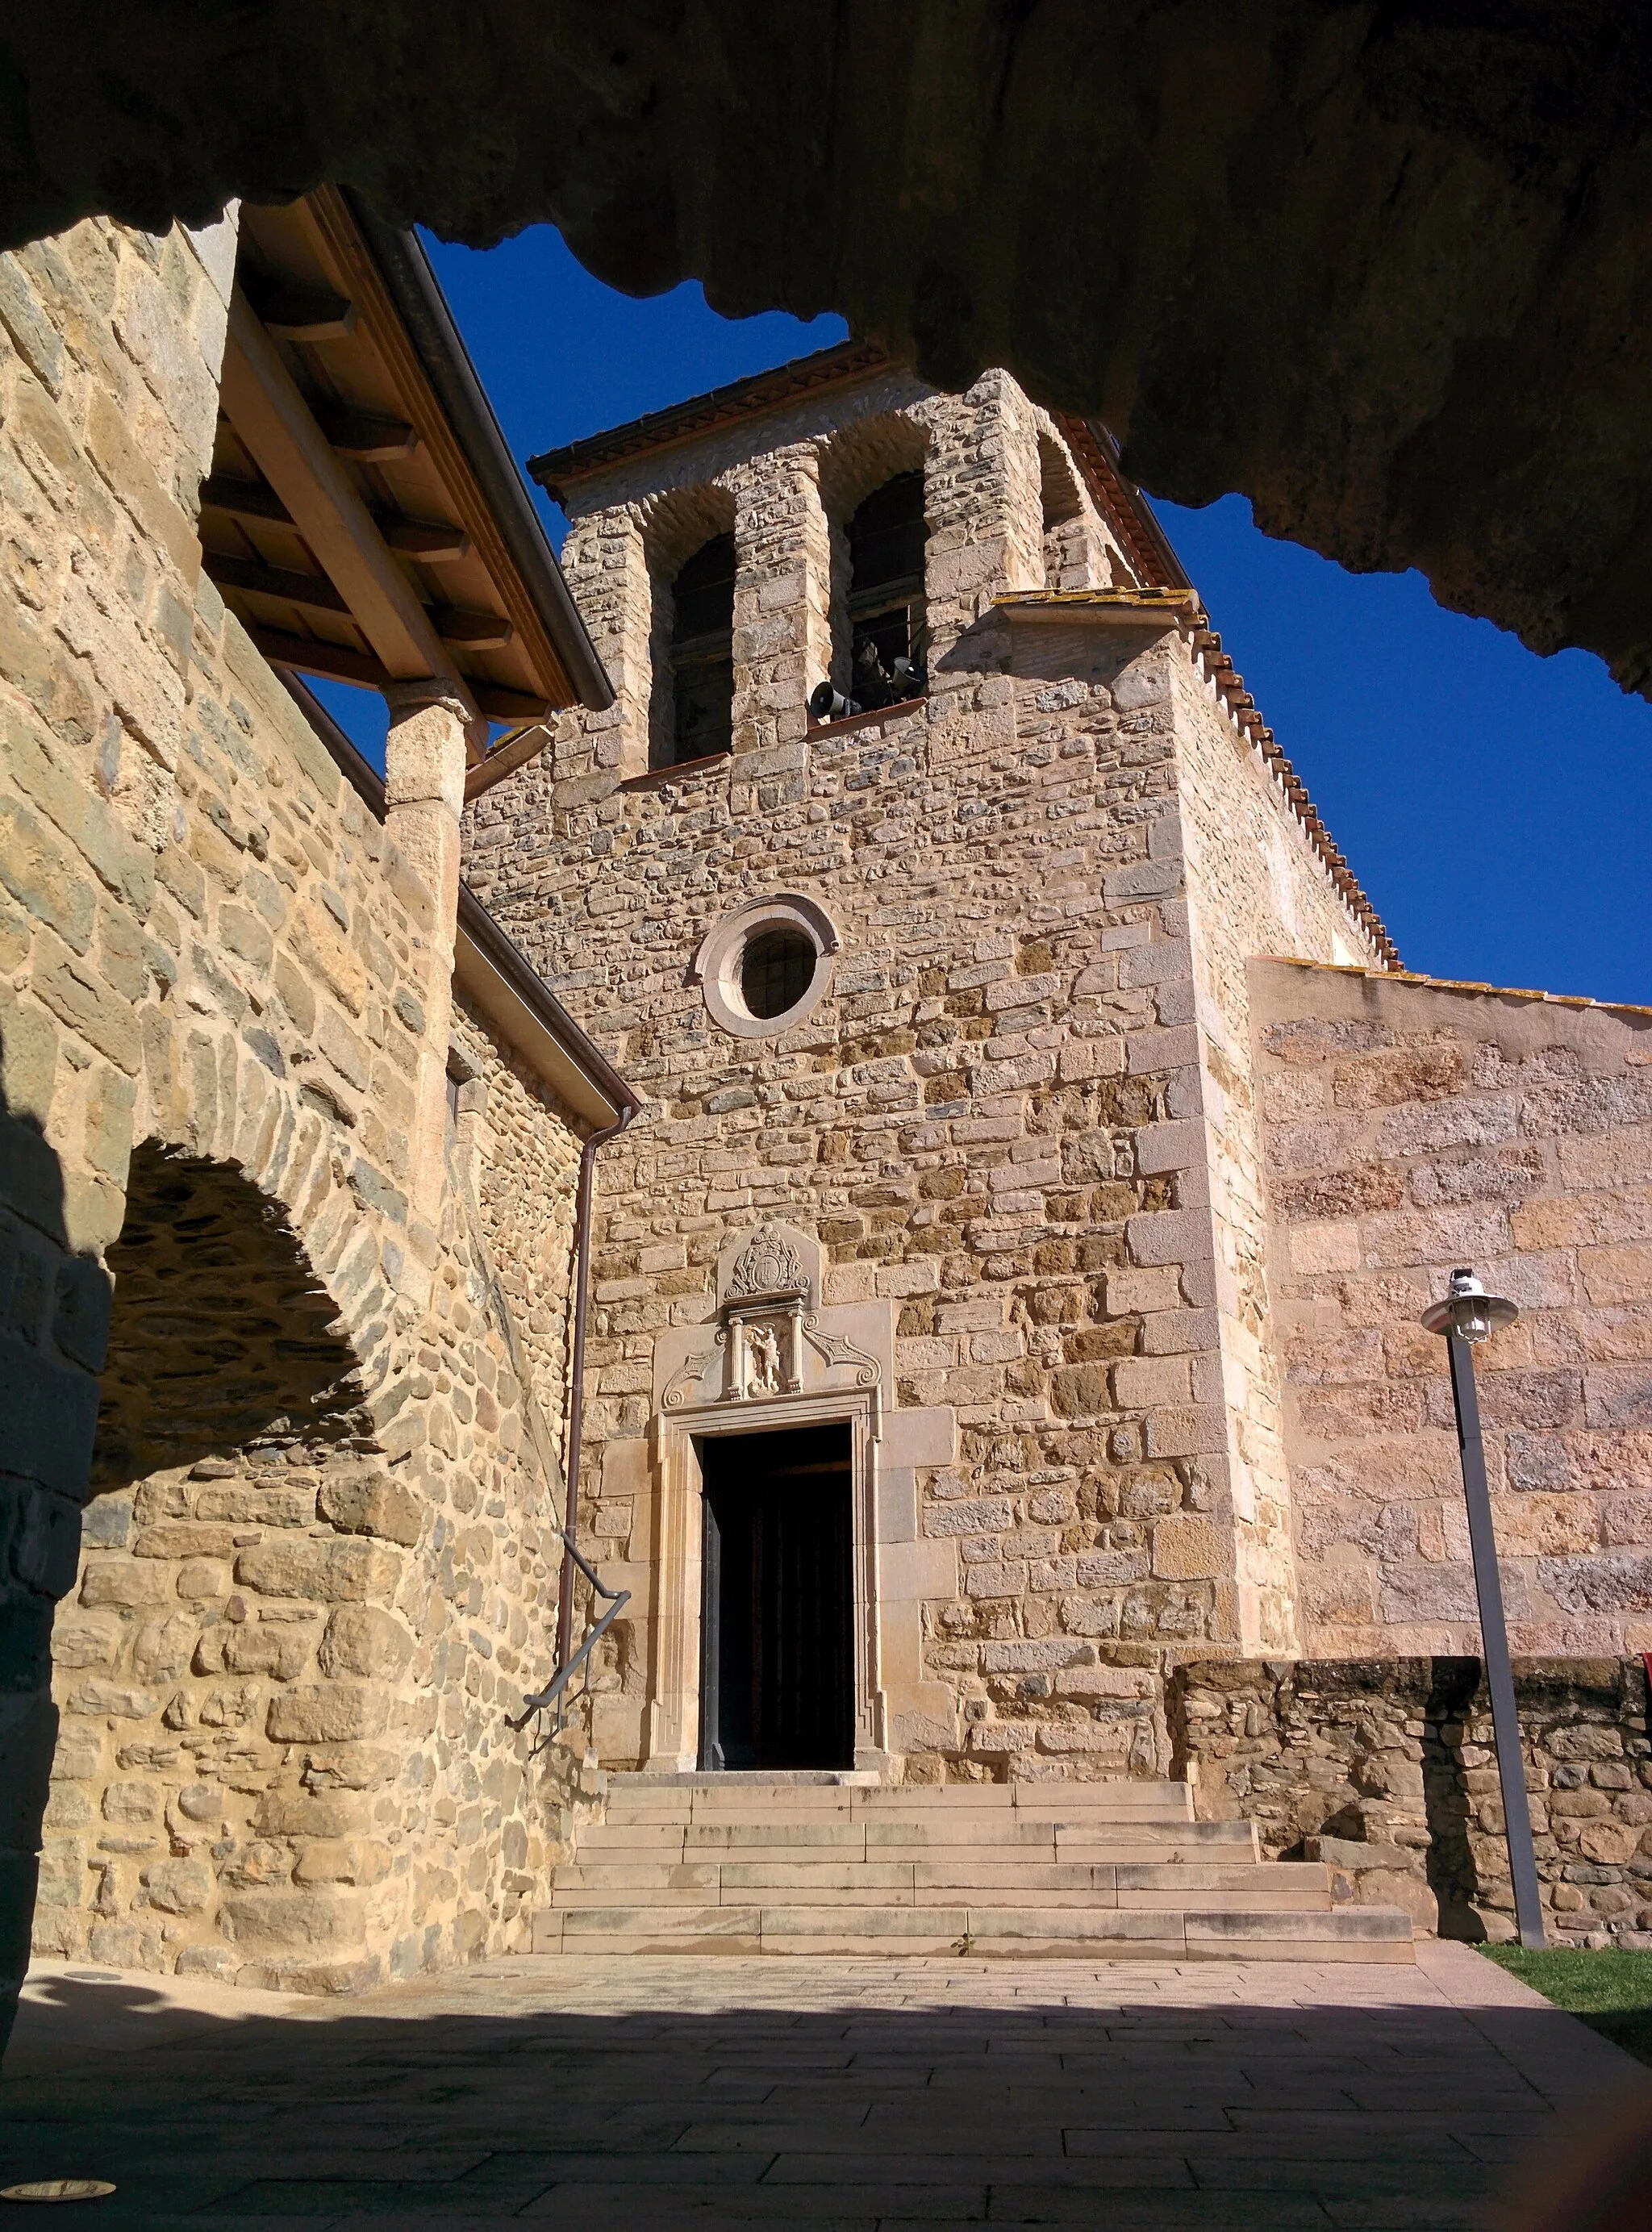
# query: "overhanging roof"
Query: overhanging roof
364,518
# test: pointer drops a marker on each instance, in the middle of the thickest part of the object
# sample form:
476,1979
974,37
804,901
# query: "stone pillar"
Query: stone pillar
606,562
424,763
985,513
782,638
475,1133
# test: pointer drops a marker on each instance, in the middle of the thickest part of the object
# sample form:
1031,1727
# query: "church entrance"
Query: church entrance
777,1615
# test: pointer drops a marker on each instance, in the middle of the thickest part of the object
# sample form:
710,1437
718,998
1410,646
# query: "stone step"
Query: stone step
755,1797
1005,1837
1366,1933
623,1780
1304,1885
1223,1874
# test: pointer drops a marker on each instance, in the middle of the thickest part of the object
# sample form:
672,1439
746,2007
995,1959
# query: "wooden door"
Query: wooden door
777,1675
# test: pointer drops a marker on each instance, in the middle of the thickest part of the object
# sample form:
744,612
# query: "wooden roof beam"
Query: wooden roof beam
310,592
430,541
507,756
315,593
239,499
304,654
306,314
471,631
369,437
279,429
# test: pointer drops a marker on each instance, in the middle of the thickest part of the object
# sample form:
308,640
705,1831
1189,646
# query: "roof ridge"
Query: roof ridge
696,414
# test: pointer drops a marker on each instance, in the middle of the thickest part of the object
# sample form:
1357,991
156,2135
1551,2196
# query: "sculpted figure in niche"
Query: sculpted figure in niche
762,1345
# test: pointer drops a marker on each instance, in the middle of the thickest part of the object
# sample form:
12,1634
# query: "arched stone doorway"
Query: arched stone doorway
241,1562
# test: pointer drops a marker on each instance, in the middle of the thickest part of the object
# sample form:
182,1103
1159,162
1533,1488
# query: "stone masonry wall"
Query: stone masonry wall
517,1149
1413,1128
1387,1770
982,1122
285,1675
1253,890
294,1637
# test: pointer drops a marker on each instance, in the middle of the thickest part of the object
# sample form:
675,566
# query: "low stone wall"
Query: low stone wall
1386,1769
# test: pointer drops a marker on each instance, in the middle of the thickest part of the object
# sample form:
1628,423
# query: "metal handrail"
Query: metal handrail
540,1441
555,1690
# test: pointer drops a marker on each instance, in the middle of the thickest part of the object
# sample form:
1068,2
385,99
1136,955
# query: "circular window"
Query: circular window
766,966
776,969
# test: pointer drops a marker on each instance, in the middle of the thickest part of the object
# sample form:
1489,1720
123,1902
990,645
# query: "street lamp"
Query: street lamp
1467,1316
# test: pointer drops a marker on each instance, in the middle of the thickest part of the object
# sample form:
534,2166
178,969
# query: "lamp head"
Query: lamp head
1468,1310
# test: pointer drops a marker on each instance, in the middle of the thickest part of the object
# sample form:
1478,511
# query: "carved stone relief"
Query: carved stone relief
770,1338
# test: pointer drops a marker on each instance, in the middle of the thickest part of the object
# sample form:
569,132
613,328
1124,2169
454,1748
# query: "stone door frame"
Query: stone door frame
673,1723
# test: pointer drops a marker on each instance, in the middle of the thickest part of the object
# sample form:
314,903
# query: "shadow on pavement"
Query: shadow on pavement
997,2109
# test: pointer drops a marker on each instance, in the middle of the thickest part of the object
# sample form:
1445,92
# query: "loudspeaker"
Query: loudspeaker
829,704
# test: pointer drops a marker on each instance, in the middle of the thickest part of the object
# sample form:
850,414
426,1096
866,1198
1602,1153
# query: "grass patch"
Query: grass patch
1610,1991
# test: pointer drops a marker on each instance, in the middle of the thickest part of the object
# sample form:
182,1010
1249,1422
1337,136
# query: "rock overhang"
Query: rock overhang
1379,270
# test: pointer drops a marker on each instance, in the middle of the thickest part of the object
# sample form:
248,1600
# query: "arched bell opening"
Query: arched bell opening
872,487
702,669
689,535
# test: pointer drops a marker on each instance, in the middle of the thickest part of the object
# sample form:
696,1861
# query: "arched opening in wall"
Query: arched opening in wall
1067,559
218,1591
887,538
872,491
220,1337
701,674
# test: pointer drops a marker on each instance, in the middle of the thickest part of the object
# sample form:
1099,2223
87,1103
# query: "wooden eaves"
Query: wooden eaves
364,518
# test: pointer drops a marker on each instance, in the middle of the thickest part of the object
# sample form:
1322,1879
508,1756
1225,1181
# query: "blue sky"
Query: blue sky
1492,804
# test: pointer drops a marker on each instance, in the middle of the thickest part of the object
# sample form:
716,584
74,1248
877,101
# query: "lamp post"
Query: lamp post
1467,1316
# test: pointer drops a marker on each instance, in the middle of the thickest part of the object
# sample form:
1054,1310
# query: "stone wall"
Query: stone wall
1387,1770
285,1674
1412,1127
992,1122
321,1547
516,1149
1249,891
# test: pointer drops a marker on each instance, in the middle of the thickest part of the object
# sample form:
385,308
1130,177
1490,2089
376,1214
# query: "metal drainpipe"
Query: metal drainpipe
576,1392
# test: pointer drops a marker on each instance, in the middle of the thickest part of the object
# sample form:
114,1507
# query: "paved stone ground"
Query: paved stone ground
844,2096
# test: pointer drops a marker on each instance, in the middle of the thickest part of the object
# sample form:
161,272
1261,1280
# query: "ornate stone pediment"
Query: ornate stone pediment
768,1264
774,1260
770,1337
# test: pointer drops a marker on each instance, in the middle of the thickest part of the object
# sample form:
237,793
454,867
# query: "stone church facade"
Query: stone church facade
1019,1161
1091,1175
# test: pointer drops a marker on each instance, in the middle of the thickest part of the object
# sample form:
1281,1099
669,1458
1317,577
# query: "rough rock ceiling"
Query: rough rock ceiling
1384,268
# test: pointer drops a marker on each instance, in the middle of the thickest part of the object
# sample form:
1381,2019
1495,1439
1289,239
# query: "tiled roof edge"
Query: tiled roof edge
563,468
1457,984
